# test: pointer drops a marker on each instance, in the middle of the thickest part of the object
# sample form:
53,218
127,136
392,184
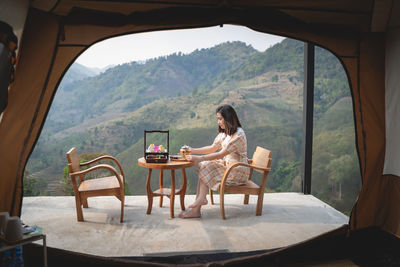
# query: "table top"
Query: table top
170,165
6,245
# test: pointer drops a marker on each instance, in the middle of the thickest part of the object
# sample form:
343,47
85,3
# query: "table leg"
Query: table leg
172,197
161,186
44,251
183,189
149,192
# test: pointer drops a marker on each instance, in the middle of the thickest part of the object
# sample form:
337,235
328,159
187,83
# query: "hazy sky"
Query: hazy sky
144,46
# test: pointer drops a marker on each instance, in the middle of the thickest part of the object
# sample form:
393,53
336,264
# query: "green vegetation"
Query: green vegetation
108,113
33,186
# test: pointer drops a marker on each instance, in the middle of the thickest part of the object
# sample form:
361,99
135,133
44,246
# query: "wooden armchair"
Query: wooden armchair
106,186
261,162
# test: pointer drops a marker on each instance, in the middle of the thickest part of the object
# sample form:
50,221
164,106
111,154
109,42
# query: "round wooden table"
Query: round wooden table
162,191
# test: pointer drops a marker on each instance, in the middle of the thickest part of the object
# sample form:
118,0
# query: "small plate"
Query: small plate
176,158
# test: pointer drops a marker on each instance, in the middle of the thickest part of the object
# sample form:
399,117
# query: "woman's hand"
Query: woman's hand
193,158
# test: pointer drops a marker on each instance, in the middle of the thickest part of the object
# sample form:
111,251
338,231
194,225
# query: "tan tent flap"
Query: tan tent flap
392,84
388,214
20,119
373,126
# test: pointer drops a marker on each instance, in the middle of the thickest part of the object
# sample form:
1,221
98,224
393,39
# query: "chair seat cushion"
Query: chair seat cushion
249,188
99,184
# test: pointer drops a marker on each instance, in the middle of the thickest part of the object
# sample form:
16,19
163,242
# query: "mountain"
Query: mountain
78,72
108,112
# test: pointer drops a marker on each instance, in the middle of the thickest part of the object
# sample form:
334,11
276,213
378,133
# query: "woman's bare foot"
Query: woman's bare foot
191,213
198,202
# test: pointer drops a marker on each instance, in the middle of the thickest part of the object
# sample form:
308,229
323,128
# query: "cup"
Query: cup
13,229
3,221
184,151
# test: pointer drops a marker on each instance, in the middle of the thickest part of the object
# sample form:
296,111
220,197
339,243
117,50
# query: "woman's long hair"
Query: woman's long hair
231,119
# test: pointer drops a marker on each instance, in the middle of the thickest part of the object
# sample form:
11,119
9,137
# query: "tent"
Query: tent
363,34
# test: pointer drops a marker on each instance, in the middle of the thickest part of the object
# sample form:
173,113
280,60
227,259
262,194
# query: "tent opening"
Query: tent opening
105,109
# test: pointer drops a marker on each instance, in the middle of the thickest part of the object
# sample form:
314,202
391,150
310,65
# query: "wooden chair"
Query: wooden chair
105,186
261,162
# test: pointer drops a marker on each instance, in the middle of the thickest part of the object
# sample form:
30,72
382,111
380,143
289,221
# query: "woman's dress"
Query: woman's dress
211,171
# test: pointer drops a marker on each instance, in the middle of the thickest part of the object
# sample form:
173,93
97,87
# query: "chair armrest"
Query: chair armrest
229,169
101,166
237,164
102,158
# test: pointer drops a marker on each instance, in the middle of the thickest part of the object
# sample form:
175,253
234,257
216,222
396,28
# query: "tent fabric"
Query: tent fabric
57,32
24,114
392,97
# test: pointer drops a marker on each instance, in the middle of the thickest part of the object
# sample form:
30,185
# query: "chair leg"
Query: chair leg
260,201
161,182
79,212
211,196
221,204
85,203
122,208
246,199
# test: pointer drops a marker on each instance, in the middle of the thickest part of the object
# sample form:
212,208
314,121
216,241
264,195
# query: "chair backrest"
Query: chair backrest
261,158
74,166
73,160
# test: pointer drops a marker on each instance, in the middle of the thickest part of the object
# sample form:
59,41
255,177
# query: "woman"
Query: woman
229,146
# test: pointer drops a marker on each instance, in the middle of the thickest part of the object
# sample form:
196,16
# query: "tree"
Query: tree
33,186
66,182
283,175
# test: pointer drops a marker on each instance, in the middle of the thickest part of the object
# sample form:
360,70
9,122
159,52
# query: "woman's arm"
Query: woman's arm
204,149
208,149
211,156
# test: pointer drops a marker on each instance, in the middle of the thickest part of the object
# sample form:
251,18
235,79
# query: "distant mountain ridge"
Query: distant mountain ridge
78,72
127,87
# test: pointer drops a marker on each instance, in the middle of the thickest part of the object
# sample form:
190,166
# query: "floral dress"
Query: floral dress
211,171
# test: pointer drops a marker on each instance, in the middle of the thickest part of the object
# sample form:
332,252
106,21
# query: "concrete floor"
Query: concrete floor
287,218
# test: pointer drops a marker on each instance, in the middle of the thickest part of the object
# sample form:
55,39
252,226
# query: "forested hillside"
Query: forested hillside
108,113
78,72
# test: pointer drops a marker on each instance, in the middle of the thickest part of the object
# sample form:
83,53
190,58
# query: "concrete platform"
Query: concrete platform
287,218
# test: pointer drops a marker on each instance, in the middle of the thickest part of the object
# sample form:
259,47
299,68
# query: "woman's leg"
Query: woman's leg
201,197
194,211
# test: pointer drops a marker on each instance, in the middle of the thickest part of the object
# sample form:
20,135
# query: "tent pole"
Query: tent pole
308,110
